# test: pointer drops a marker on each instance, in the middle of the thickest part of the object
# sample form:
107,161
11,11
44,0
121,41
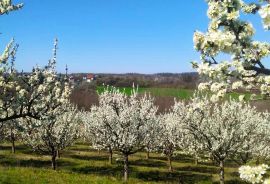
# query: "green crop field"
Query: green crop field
178,93
79,164
172,92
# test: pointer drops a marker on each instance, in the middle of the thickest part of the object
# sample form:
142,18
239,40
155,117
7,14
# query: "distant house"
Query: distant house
90,77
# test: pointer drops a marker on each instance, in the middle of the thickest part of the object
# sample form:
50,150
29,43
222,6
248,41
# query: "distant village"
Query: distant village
78,79
182,80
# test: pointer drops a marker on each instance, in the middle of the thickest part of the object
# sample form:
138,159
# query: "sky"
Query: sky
107,36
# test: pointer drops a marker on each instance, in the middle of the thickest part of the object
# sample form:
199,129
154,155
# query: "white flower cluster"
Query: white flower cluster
265,14
253,174
54,133
38,94
120,121
228,34
6,6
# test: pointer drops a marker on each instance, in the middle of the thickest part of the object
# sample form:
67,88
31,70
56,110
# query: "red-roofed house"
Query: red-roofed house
90,77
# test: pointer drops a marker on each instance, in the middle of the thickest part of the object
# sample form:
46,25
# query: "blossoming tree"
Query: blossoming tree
123,121
151,140
223,129
95,127
33,95
229,34
54,133
172,135
12,131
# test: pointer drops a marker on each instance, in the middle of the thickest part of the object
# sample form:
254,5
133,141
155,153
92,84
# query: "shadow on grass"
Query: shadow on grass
183,158
13,162
233,182
19,148
148,163
177,158
168,177
102,170
144,176
198,169
90,157
81,148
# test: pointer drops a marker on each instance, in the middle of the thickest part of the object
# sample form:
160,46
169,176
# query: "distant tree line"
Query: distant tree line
171,80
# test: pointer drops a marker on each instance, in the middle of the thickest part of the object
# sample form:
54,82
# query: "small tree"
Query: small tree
126,122
223,129
151,140
96,130
53,134
172,134
12,131
262,140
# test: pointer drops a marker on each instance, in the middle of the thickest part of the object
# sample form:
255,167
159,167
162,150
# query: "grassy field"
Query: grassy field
178,93
79,164
171,92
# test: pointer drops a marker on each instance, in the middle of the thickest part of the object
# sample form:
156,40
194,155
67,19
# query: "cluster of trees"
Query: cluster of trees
230,34
201,128
170,80
35,106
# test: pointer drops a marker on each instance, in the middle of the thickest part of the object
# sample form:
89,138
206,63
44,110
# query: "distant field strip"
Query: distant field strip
178,93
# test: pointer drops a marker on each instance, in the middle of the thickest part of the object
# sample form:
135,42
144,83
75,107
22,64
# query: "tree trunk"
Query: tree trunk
170,163
196,161
58,154
126,167
12,137
54,159
110,156
147,155
221,172
258,161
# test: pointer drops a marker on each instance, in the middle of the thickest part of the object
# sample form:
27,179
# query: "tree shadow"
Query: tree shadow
176,158
158,158
18,148
148,163
116,170
13,162
90,157
174,177
82,149
183,158
198,169
234,181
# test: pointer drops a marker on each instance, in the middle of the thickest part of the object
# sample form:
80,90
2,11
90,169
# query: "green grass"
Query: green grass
79,164
178,93
171,92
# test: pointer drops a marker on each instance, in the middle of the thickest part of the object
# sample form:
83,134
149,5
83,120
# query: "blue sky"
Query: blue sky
110,36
